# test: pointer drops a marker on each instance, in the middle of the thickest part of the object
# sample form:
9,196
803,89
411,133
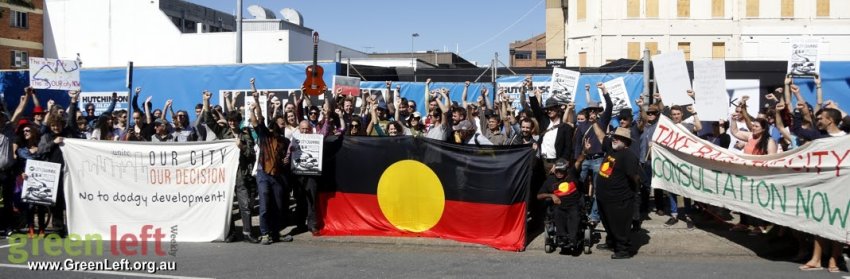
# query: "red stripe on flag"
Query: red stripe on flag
498,226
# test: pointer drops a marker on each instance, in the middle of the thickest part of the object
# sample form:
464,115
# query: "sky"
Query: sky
478,28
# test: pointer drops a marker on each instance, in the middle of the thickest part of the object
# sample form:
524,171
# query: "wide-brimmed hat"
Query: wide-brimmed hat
464,125
593,105
624,135
557,100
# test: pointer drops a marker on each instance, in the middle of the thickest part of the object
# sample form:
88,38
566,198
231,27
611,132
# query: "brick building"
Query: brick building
529,53
21,32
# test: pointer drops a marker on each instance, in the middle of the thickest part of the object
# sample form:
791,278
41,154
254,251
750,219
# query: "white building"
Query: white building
108,33
600,31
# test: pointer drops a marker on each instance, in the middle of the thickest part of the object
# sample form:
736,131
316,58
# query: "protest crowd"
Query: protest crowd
604,154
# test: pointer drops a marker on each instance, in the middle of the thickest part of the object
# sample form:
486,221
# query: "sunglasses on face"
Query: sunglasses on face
27,130
181,115
652,113
314,113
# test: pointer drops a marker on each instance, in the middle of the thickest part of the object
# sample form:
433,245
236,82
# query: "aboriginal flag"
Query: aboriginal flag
404,186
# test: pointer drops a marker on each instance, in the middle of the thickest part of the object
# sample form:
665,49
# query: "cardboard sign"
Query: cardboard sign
46,73
671,74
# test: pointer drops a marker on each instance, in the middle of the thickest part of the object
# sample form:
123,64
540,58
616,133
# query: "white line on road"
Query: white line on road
6,246
131,274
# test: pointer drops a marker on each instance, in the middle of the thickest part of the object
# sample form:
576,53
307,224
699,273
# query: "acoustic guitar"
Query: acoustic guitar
314,85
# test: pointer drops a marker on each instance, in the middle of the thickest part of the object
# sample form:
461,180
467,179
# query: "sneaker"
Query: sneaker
250,239
286,238
671,221
265,240
689,223
231,237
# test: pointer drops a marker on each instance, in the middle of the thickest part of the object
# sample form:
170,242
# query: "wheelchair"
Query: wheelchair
586,236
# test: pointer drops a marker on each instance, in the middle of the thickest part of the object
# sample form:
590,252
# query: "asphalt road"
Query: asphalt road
326,259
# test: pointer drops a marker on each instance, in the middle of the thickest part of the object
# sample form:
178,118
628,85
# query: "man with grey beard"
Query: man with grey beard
618,181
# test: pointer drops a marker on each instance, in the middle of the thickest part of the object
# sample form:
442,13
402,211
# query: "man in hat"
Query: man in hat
465,133
563,190
555,136
618,181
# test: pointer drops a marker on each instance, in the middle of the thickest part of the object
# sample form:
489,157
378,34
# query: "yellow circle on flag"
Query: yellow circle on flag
605,167
411,196
564,187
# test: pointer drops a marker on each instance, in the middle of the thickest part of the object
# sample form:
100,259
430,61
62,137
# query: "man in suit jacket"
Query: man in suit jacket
555,135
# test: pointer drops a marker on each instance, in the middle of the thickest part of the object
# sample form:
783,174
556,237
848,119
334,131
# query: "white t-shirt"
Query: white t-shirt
547,147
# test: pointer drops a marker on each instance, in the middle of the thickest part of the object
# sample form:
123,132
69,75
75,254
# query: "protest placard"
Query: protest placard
565,81
618,93
804,59
41,183
671,74
128,186
307,154
102,100
349,85
712,99
46,73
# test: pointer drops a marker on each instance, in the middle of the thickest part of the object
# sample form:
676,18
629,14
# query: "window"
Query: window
787,8
19,19
541,54
582,59
752,8
20,59
633,8
581,9
683,9
633,51
718,8
823,8
190,26
522,55
718,51
653,47
651,8
686,48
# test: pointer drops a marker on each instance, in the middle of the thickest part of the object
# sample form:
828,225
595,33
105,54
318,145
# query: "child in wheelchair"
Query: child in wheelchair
565,204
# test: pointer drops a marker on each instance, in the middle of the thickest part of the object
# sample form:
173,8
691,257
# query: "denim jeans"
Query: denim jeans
274,199
591,167
674,207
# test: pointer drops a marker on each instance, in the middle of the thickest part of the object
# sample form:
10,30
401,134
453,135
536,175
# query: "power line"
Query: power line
506,28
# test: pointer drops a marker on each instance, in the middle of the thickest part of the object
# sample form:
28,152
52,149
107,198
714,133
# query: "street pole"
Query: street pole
412,58
239,31
130,91
646,75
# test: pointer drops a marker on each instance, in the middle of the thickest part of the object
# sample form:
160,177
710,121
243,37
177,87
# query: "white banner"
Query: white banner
804,58
101,101
804,189
42,182
116,188
46,73
619,95
307,154
671,74
712,99
565,81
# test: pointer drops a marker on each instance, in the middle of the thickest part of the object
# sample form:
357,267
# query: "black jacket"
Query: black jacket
564,132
